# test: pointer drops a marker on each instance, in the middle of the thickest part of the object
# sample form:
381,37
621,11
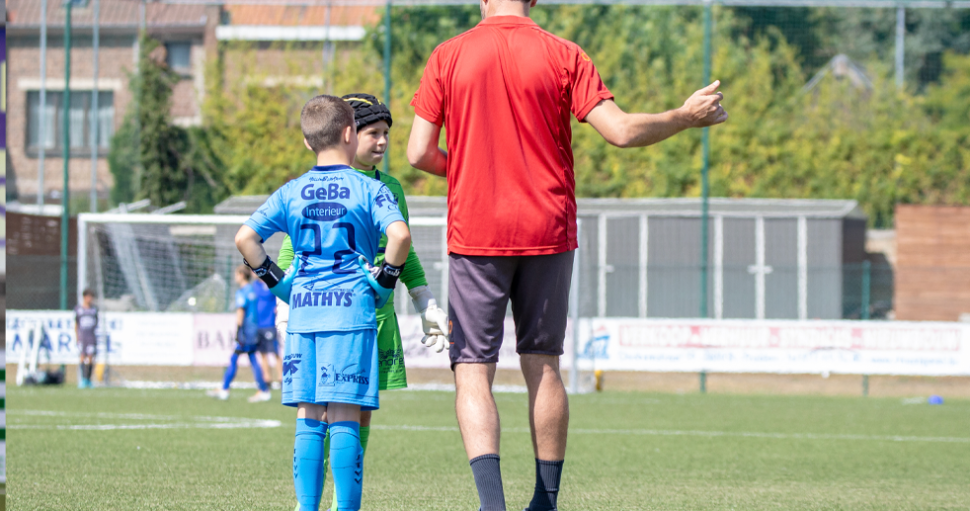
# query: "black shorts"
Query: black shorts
267,341
479,290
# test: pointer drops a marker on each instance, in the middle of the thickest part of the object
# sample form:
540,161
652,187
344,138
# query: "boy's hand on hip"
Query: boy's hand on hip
282,290
381,279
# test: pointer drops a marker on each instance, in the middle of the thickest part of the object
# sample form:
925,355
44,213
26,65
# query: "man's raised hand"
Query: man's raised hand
703,108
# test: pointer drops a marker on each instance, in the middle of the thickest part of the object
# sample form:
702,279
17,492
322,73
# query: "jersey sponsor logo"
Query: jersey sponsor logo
324,211
330,378
387,199
333,191
322,299
291,365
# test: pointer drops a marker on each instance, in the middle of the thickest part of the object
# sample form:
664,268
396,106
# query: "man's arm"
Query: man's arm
240,317
621,129
423,150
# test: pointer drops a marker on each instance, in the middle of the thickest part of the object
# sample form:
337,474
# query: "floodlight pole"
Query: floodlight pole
900,44
66,108
706,155
387,69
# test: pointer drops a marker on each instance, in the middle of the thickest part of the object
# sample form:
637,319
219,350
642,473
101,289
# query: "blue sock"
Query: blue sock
257,372
308,463
230,371
347,464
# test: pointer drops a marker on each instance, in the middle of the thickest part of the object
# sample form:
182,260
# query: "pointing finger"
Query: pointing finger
711,88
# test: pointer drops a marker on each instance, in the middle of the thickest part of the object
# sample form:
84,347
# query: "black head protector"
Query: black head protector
368,110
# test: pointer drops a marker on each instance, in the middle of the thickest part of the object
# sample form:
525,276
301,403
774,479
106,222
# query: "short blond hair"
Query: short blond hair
323,121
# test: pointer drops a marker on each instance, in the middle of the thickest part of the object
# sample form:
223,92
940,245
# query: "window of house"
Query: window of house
179,56
80,116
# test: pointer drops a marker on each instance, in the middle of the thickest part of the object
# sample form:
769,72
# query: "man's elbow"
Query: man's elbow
621,135
416,157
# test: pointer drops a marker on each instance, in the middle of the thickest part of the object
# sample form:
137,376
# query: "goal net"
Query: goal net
185,263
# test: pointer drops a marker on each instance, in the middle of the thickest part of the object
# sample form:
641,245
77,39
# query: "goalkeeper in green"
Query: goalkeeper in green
373,121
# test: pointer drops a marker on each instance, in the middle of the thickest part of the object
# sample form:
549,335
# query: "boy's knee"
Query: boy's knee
311,411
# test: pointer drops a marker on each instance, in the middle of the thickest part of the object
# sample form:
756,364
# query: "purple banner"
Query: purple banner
3,115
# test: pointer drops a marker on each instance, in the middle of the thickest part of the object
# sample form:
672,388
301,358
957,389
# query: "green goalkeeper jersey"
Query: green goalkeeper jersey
413,274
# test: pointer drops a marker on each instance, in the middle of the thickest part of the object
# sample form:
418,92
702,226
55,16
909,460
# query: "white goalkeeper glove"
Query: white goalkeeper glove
433,320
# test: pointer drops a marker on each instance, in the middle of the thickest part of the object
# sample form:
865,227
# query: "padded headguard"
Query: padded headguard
368,110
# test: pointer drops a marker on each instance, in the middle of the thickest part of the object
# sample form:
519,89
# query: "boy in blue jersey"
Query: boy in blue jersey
251,300
335,217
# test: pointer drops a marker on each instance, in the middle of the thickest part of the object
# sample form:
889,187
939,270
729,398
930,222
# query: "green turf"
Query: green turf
647,461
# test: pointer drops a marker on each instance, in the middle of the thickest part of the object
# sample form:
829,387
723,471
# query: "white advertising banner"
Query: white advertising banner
214,340
619,344
851,347
125,338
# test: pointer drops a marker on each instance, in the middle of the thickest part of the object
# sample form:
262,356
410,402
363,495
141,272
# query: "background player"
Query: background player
85,324
248,303
267,345
373,120
335,217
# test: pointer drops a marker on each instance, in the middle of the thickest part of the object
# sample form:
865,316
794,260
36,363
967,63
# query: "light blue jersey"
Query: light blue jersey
333,215
247,300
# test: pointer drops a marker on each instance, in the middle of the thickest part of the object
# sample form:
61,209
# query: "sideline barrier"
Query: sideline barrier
613,344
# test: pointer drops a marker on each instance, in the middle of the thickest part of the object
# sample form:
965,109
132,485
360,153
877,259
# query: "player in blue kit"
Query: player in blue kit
334,216
255,305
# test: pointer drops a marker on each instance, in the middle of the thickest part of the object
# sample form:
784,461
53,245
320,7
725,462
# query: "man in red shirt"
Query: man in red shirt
505,91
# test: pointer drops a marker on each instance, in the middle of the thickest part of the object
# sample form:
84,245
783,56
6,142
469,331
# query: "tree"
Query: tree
152,158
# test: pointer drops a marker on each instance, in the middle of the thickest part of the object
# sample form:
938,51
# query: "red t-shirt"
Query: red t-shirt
504,91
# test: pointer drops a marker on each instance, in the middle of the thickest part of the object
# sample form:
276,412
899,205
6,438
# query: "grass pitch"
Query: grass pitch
118,449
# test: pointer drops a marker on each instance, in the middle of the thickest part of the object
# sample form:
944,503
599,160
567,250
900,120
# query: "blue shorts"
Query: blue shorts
324,367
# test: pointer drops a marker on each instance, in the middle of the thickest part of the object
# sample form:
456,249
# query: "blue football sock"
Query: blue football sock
230,371
257,372
308,463
347,464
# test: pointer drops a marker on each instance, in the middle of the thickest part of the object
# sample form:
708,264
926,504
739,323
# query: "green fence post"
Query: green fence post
866,280
229,281
706,152
865,385
703,377
387,69
66,106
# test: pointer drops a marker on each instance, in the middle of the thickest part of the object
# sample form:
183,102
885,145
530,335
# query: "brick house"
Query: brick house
191,35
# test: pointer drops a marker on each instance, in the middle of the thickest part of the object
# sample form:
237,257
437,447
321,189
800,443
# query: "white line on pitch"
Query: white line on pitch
713,434
200,422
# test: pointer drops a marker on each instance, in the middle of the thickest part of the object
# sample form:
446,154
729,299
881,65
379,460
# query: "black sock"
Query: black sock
86,370
548,474
488,479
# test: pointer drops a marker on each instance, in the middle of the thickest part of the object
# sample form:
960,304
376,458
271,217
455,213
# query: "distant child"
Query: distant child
335,217
374,121
85,324
251,309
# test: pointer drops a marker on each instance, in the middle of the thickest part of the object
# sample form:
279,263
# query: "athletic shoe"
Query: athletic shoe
259,397
80,383
220,394
276,386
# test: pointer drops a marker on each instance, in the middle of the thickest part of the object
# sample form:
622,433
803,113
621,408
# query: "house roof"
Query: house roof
305,15
113,14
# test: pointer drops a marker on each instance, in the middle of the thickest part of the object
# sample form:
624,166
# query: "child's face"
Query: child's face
88,300
371,143
241,279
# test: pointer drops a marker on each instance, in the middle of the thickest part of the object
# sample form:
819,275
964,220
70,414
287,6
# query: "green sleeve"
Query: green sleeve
413,274
285,258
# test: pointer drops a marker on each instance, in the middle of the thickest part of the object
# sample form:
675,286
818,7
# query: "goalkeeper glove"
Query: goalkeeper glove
434,321
381,279
279,283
